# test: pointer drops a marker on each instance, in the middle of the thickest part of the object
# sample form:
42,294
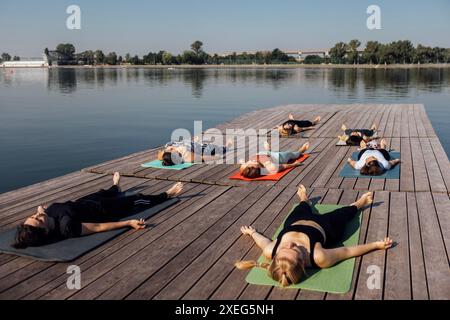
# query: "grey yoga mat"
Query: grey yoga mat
70,249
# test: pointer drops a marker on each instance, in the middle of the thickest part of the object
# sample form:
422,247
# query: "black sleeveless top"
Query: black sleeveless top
313,234
299,123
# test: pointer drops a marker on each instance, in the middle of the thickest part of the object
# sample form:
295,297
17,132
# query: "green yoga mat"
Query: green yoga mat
337,279
349,172
157,164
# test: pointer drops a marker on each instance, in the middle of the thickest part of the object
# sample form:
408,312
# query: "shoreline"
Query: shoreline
249,66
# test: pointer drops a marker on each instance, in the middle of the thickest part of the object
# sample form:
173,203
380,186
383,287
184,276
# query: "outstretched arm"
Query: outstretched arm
283,167
261,241
273,168
329,257
394,162
351,162
90,228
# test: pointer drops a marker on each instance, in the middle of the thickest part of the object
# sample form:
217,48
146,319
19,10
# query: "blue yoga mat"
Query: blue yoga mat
70,249
349,172
157,164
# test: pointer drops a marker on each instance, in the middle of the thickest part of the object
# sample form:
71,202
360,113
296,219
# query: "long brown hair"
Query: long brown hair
285,132
250,172
281,270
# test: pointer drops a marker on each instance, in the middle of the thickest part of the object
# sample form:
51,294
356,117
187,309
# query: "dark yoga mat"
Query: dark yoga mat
70,249
349,172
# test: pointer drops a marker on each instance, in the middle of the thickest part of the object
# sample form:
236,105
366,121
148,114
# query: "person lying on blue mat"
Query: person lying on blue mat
178,152
373,161
307,240
97,212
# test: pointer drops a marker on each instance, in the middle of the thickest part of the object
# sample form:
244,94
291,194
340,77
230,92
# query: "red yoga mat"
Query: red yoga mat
271,177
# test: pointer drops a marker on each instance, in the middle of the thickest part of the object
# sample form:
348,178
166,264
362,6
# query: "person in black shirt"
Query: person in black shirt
354,137
293,126
97,212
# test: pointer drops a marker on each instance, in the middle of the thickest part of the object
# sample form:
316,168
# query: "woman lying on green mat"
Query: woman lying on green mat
188,151
97,212
268,162
354,137
373,161
305,241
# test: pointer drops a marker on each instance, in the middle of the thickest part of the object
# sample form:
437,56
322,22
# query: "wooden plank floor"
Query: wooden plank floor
189,249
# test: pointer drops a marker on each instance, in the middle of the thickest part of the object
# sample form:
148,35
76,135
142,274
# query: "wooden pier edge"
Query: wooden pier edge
189,250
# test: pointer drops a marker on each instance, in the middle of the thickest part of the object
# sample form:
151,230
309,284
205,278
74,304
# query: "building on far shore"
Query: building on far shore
27,63
55,58
300,55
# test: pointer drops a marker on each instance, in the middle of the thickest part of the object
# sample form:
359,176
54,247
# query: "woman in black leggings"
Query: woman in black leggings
354,137
307,240
293,126
97,212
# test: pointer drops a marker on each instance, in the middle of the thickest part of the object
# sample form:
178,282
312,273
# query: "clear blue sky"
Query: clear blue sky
139,26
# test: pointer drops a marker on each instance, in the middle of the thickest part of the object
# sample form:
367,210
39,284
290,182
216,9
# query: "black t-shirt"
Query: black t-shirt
70,215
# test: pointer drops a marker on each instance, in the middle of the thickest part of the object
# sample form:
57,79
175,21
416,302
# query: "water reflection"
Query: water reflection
395,82
64,80
400,83
111,112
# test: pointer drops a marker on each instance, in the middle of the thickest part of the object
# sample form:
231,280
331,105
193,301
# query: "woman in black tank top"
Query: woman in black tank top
293,126
308,240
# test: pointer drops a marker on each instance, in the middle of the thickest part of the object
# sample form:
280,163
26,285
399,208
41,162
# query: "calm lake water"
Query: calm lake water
57,121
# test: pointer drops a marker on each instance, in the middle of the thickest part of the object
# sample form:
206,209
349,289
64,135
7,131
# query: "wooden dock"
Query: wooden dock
189,249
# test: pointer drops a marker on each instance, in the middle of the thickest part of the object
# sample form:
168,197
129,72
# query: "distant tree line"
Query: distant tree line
7,57
397,52
65,54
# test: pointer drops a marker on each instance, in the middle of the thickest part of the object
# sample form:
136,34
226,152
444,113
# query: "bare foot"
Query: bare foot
116,178
266,146
373,127
368,198
291,116
230,143
175,190
317,120
365,200
383,144
302,194
304,147
344,127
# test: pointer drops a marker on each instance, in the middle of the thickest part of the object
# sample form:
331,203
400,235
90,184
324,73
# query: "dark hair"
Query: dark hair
167,159
354,140
251,172
29,236
373,168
